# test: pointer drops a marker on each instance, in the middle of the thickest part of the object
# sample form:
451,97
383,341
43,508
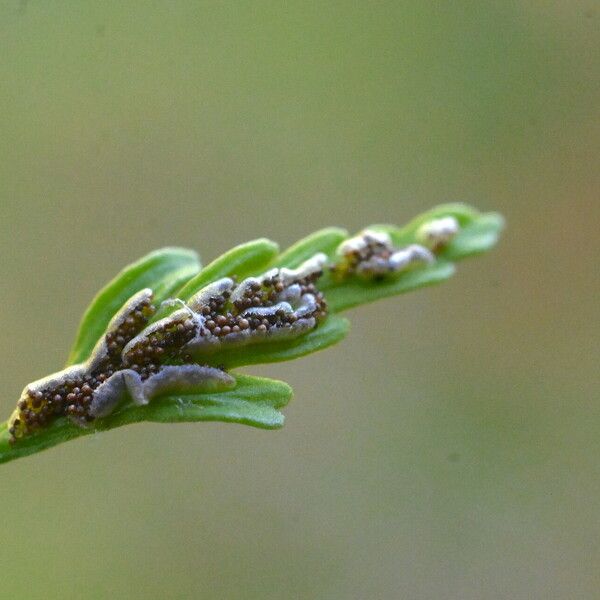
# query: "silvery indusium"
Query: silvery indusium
252,305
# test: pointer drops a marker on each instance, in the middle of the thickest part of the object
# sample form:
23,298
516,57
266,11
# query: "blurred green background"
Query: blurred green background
449,448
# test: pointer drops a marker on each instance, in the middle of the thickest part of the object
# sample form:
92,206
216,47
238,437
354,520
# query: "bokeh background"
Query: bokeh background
449,448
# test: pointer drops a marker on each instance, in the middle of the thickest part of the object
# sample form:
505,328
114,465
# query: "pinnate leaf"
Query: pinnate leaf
254,401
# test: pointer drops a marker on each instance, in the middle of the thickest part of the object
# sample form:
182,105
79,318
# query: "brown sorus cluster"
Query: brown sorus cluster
163,343
72,395
130,326
361,250
166,340
265,295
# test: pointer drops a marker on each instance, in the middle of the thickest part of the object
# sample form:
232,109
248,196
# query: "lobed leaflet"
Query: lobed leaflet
139,359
